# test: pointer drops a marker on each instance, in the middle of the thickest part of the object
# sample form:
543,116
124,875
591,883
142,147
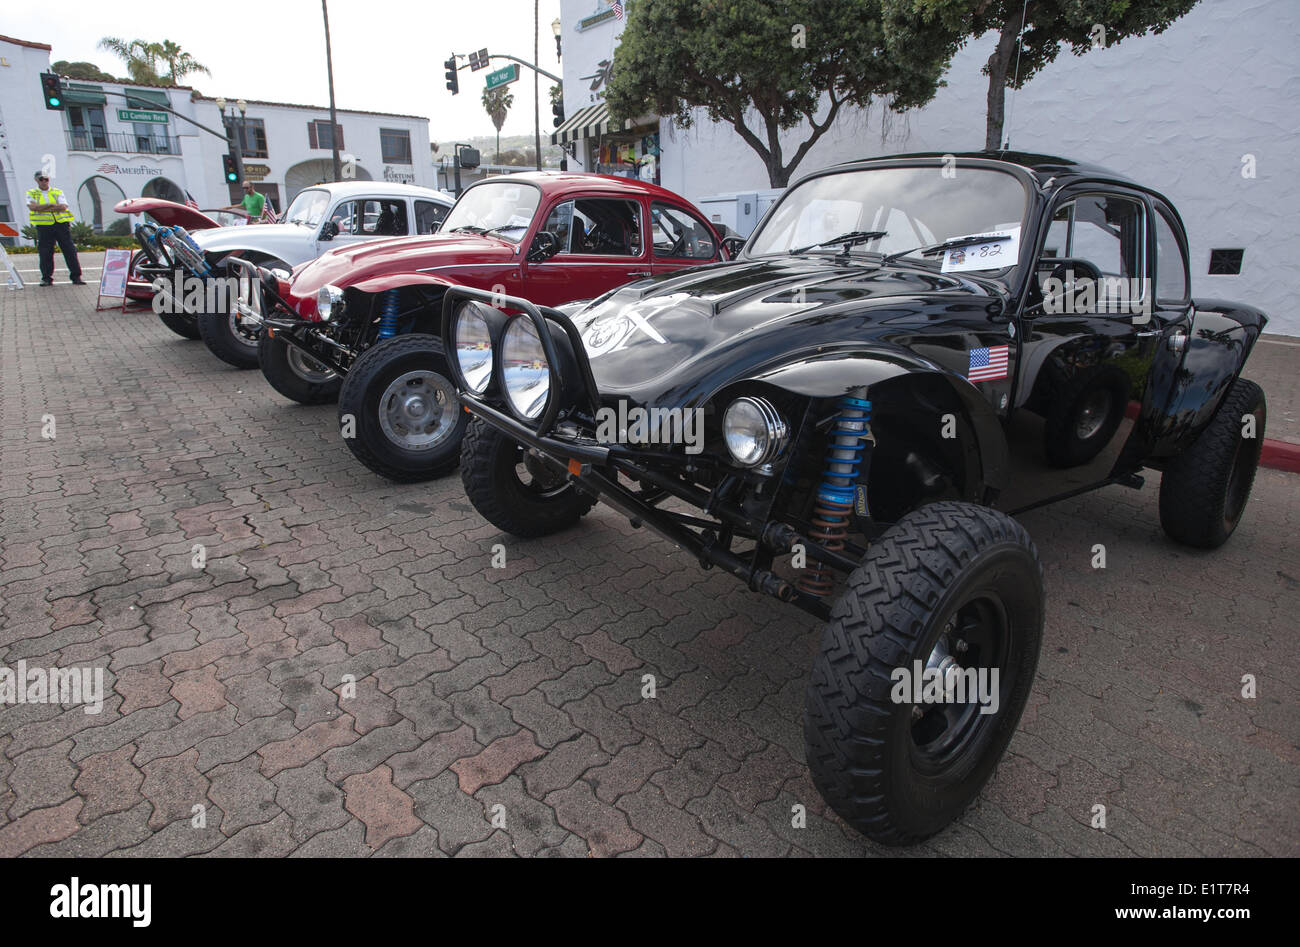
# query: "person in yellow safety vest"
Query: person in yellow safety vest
52,219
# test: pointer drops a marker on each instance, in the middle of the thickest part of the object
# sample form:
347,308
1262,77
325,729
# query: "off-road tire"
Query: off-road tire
1061,442
364,386
273,357
931,566
488,461
1204,490
182,323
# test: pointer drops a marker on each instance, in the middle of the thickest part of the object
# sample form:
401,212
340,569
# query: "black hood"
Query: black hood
654,340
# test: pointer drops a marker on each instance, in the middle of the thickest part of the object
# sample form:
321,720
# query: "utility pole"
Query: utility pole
329,65
537,105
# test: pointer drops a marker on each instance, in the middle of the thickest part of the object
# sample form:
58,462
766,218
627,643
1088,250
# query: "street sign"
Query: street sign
136,115
502,76
478,60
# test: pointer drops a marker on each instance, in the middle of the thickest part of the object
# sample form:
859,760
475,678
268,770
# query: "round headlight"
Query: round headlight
329,302
524,370
473,347
754,431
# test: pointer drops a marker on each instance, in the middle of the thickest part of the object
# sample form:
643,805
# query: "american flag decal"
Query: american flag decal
988,364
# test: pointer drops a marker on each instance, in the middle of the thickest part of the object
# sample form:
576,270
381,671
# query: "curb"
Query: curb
1280,455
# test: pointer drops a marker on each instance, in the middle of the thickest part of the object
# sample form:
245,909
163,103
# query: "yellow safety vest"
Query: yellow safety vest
46,217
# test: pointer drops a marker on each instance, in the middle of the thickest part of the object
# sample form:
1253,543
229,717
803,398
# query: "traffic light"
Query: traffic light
557,109
232,170
453,83
52,90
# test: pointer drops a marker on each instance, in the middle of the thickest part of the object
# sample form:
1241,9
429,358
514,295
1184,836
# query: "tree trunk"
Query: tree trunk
999,68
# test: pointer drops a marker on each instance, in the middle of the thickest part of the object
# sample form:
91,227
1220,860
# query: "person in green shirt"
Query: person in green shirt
252,203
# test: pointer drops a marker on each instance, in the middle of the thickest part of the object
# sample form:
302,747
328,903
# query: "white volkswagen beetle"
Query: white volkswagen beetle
319,218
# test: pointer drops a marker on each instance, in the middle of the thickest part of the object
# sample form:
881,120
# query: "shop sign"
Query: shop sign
397,176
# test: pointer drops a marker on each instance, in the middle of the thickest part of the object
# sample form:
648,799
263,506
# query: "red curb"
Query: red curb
1280,455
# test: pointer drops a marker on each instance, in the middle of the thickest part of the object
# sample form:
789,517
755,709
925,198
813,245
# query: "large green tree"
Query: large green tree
81,70
767,66
1048,27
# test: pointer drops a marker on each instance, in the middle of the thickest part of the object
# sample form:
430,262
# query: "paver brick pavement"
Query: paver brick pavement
347,675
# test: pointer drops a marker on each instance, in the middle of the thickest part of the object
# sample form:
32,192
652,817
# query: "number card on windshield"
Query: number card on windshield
992,255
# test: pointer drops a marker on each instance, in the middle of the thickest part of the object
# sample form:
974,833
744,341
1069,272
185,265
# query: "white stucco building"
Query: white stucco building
1205,112
111,141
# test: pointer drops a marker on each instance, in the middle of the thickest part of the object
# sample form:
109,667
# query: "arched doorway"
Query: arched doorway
307,173
164,190
95,200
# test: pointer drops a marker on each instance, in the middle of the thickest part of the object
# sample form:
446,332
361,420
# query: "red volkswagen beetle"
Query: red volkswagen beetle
373,312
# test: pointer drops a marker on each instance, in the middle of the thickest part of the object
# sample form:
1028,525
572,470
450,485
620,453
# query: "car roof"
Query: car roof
1043,168
380,189
559,183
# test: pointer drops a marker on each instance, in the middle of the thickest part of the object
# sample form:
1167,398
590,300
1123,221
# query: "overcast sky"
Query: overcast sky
388,54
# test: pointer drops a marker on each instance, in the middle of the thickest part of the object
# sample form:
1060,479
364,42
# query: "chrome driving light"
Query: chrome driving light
329,302
473,347
525,373
754,431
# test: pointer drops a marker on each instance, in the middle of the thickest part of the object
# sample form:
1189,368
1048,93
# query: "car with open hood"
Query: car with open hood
319,219
908,352
361,323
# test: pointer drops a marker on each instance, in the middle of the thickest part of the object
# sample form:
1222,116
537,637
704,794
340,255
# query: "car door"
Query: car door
599,245
679,239
1086,342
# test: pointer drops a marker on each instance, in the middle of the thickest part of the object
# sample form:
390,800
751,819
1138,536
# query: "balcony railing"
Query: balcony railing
122,142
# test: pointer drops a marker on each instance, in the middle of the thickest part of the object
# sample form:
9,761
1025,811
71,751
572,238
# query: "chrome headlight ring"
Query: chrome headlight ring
754,431
472,342
329,302
525,369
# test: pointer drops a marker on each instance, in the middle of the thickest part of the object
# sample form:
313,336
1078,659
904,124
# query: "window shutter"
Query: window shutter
338,136
311,134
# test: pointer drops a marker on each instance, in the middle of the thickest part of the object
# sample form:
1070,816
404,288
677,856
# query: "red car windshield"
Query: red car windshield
504,208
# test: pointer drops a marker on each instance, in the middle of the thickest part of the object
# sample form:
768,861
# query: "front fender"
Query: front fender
978,428
379,284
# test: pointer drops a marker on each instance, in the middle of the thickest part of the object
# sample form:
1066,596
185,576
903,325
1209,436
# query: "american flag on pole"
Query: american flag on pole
617,7
190,201
268,215
988,364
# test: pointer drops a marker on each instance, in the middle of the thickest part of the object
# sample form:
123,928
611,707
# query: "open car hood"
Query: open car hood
167,213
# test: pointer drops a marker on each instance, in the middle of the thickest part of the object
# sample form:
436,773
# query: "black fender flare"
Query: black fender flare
834,374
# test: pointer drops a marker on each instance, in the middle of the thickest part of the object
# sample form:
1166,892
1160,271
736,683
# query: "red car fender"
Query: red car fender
378,284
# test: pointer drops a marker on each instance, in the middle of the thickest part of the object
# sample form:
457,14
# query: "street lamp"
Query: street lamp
555,28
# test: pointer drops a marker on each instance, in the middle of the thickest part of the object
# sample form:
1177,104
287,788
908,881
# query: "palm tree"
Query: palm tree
497,102
179,63
142,60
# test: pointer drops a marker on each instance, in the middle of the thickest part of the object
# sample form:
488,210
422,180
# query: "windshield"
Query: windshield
503,208
914,207
308,208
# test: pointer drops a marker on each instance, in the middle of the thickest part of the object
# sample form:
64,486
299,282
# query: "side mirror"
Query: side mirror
330,230
545,246
733,245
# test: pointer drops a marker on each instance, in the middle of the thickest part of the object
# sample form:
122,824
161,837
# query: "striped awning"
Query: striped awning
593,122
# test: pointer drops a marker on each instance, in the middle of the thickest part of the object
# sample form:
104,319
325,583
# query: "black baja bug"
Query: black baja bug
908,352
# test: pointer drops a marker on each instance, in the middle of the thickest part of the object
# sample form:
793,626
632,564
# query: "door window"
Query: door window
679,235
428,216
599,226
1171,269
373,218
1109,232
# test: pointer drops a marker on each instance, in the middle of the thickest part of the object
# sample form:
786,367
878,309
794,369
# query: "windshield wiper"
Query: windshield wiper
936,248
848,239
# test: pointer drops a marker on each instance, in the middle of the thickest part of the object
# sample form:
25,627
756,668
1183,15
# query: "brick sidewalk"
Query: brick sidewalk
521,688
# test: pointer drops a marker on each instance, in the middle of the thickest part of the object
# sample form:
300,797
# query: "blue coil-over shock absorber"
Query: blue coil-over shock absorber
833,508
388,314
